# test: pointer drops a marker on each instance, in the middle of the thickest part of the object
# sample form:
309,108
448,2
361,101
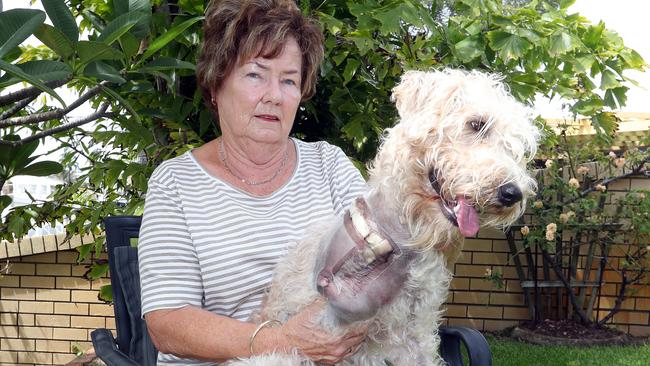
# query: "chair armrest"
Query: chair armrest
477,346
106,349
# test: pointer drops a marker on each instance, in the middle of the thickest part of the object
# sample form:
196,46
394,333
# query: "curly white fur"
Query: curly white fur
436,109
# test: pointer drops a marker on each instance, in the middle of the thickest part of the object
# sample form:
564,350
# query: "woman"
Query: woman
220,217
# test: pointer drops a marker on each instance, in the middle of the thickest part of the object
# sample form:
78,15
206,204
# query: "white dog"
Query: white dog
456,159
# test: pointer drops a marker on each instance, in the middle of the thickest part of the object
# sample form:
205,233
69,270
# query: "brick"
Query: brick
491,312
67,256
110,323
70,334
12,250
53,269
36,282
53,295
495,325
35,357
464,322
456,311
460,283
8,356
516,313
482,284
506,299
475,245
62,359
640,184
8,318
72,283
36,307
53,320
9,281
500,246
85,296
9,306
25,247
465,258
42,258
52,346
101,309
465,270
90,322
97,284
22,268
629,317
619,185
7,344
640,330
70,308
26,320
9,331
35,332
474,297
78,270
17,294
490,258
642,304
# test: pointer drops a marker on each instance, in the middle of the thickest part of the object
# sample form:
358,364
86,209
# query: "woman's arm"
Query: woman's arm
195,333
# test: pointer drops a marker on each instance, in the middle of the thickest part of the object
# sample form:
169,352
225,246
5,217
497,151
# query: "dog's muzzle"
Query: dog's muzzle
509,194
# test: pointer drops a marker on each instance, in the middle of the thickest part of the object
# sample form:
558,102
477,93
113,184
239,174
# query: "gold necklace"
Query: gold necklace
222,152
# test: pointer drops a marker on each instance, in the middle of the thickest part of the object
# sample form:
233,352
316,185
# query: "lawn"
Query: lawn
507,352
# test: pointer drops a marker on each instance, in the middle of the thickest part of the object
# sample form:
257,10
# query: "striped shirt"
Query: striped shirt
208,244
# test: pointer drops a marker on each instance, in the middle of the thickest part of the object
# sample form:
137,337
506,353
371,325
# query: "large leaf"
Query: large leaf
41,169
169,36
561,43
509,45
119,26
167,63
90,51
470,48
44,70
62,18
16,25
55,40
17,72
103,71
608,80
123,102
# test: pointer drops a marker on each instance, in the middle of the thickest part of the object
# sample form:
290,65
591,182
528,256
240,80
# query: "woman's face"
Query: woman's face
258,101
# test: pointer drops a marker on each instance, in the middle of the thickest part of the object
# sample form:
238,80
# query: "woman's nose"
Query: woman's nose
273,93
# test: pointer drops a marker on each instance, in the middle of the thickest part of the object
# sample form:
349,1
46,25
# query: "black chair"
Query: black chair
133,345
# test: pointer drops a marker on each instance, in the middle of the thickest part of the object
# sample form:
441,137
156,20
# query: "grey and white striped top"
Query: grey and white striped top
208,244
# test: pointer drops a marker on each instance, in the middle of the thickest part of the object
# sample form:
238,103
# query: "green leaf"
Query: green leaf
90,51
16,225
509,45
84,251
470,48
130,45
41,169
615,97
333,25
167,63
16,71
62,18
16,25
169,36
351,67
44,70
605,123
103,71
5,201
608,80
583,63
633,59
123,102
119,26
593,35
96,271
55,40
561,43
106,293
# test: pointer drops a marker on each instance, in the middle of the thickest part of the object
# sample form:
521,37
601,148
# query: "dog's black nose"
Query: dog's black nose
509,194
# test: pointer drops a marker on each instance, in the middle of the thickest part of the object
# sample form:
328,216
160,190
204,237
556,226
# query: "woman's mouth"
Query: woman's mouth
268,117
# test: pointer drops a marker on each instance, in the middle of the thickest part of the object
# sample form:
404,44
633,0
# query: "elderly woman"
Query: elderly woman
220,217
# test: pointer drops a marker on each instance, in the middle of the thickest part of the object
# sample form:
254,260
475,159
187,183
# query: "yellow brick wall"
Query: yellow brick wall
47,308
474,301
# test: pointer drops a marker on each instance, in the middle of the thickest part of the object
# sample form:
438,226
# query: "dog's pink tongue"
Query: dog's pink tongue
467,218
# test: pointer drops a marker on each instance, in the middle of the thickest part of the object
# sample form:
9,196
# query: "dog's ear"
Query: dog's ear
407,94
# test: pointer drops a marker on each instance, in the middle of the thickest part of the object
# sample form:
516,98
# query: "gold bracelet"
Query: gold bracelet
270,322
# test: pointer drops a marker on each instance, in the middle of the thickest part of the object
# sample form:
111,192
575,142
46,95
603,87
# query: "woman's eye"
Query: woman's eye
290,82
253,75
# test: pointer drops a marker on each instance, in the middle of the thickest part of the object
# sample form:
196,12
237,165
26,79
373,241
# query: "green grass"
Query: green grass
507,352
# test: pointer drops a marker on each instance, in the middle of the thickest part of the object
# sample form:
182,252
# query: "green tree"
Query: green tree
136,69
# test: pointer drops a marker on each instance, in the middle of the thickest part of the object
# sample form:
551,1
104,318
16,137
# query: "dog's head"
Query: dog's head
457,158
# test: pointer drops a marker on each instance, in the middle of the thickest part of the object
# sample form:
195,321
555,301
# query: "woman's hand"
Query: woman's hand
301,333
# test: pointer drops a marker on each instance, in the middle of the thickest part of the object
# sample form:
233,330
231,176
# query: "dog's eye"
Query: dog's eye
477,124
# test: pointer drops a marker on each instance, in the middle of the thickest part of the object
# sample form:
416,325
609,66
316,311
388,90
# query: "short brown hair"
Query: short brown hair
236,30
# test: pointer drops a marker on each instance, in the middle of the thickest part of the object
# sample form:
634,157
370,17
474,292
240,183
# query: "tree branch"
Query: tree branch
32,91
16,108
101,113
53,114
